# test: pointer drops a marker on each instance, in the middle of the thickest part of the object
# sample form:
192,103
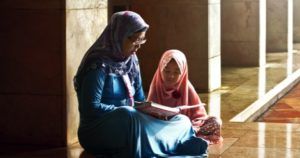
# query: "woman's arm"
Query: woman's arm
92,91
139,92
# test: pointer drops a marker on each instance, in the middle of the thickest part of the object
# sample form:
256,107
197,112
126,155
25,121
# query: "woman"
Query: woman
107,83
170,86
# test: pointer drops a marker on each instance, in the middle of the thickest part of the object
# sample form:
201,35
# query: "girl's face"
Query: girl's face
171,74
133,43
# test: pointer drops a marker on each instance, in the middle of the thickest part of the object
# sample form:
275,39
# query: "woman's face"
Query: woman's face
133,43
171,74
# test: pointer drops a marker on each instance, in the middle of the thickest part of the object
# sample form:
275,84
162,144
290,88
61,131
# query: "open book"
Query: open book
162,111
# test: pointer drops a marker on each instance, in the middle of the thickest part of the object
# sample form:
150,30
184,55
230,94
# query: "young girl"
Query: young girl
170,86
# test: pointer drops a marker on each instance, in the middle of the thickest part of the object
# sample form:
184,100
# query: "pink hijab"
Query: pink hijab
183,92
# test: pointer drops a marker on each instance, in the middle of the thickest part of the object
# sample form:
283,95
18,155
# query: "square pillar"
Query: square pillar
296,18
32,68
191,26
42,45
243,35
277,25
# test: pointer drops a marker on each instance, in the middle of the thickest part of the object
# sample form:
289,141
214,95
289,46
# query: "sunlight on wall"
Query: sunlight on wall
290,38
214,102
214,48
85,20
262,49
262,81
262,32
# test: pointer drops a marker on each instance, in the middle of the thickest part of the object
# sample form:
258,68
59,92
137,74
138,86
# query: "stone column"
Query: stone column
85,21
191,26
42,44
296,21
277,25
32,68
242,32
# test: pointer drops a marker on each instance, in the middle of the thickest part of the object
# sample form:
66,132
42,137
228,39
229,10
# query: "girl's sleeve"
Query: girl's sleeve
197,113
92,90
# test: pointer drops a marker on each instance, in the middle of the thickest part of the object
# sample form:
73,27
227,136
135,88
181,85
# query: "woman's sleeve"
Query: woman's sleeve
139,93
92,90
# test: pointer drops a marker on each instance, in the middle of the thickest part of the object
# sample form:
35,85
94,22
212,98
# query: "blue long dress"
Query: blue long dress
108,126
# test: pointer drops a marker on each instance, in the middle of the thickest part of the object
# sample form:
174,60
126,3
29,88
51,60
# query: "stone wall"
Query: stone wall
32,72
183,25
277,25
42,44
240,32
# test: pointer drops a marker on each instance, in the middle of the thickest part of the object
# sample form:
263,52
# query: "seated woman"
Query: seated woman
170,86
107,83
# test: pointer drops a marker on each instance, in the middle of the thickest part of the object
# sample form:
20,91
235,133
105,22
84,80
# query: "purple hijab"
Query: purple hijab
108,47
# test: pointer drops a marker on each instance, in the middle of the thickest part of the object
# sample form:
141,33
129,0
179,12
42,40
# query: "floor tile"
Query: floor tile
250,152
218,149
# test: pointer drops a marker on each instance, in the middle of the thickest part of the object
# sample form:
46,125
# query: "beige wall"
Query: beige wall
85,21
240,32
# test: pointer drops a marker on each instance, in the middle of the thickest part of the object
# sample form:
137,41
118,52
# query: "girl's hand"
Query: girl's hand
196,129
198,122
181,108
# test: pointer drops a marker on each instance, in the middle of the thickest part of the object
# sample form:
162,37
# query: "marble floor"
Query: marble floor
270,136
242,86
285,110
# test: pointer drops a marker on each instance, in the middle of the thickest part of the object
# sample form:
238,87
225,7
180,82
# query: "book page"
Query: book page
185,107
156,110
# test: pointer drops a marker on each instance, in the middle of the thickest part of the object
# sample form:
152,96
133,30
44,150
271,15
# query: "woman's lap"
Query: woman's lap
125,128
